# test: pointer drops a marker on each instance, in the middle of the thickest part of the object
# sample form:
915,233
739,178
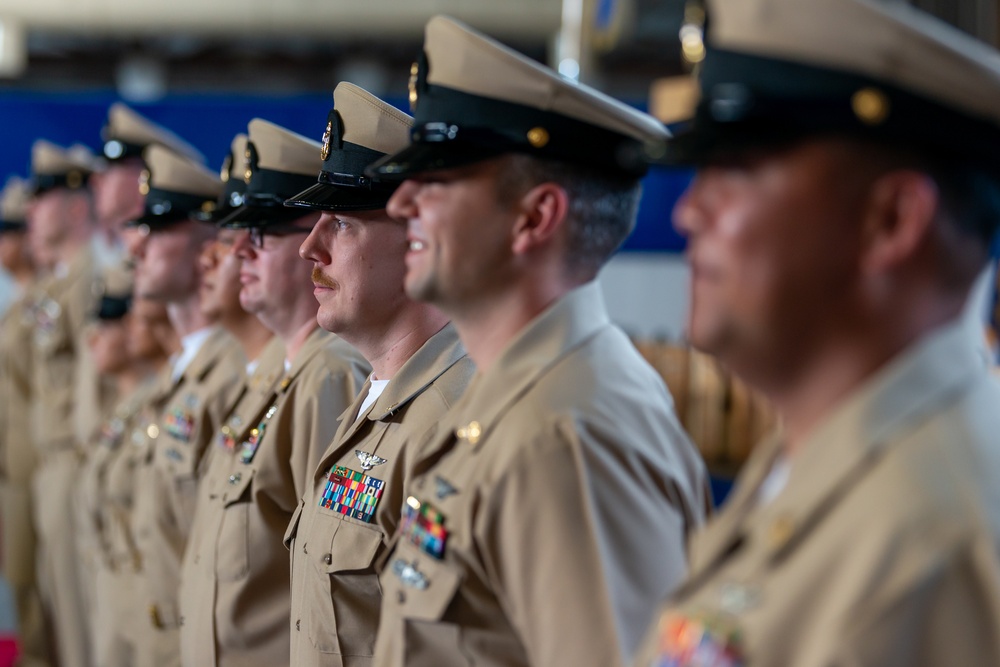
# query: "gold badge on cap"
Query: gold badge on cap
248,171
144,182
74,179
208,207
870,105
412,86
538,137
324,152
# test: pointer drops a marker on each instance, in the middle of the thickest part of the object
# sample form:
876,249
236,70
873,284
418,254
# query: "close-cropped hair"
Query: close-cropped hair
602,207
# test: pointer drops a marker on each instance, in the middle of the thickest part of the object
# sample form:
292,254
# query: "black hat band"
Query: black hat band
118,149
113,307
445,115
755,99
268,187
73,180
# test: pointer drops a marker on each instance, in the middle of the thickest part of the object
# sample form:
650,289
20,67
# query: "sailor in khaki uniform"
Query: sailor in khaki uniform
553,498
19,455
59,233
125,135
202,385
235,596
845,200
351,506
134,374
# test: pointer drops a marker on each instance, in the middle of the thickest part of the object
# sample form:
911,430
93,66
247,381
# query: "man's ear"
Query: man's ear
543,212
897,218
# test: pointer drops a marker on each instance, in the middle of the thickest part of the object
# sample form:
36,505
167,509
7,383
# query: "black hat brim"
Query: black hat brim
323,197
246,217
12,226
418,158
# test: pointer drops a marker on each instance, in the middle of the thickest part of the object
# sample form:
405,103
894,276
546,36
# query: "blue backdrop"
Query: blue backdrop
209,122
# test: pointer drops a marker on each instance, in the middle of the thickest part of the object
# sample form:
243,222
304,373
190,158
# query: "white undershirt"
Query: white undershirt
190,344
374,391
775,482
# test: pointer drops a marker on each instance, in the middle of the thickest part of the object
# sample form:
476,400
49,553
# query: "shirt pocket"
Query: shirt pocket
345,595
420,591
232,558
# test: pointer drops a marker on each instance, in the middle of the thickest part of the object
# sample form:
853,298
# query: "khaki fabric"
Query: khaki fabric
19,461
62,306
335,590
166,483
19,456
120,597
63,303
554,502
91,510
882,547
237,428
237,585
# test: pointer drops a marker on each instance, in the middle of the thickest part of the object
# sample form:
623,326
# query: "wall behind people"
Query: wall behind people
645,286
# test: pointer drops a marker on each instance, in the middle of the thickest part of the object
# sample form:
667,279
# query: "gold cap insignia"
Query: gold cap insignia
208,207
324,152
248,171
412,86
870,105
74,179
538,137
144,182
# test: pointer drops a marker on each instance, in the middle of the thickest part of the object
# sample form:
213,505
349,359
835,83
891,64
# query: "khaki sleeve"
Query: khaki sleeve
581,547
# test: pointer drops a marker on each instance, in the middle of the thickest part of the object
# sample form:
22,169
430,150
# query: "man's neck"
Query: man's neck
294,337
252,336
488,325
76,239
840,365
393,345
186,316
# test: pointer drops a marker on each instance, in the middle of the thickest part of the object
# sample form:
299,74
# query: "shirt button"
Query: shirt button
297,624
400,597
304,550
328,559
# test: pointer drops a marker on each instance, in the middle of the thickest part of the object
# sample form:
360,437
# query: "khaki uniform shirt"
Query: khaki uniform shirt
92,505
62,305
236,591
19,455
167,478
352,506
881,549
549,514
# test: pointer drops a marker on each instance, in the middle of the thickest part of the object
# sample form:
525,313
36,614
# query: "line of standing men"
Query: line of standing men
468,463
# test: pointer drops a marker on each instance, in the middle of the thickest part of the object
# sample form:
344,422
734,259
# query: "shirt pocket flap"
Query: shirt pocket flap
428,585
235,487
353,547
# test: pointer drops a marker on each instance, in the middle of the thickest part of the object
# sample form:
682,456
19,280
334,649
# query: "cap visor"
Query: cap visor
418,158
252,216
158,221
323,197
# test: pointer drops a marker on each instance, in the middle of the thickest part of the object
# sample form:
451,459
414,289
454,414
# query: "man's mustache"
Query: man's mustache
319,279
